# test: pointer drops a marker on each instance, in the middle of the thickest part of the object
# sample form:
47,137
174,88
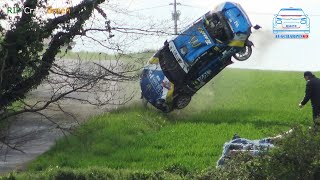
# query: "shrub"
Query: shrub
297,156
95,173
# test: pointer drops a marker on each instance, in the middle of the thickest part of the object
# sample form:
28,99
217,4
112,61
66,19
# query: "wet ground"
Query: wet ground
34,134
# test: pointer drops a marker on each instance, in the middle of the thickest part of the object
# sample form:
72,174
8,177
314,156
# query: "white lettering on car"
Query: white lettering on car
236,23
204,76
207,40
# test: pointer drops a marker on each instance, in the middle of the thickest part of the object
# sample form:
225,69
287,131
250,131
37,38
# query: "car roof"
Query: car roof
291,9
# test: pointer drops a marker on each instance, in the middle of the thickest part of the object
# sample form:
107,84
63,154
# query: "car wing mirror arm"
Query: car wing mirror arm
256,27
249,43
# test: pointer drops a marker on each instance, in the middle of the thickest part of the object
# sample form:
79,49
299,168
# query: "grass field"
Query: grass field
254,104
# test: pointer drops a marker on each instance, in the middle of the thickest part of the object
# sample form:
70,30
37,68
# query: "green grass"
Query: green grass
91,173
254,104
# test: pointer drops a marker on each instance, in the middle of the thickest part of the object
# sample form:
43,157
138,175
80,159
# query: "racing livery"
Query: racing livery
191,59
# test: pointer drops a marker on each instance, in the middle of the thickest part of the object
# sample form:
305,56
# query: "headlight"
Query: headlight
279,21
303,21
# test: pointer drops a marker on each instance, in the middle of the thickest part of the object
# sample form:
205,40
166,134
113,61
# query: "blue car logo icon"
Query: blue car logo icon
291,20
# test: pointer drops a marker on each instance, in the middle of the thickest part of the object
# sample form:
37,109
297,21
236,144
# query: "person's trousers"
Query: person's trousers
316,116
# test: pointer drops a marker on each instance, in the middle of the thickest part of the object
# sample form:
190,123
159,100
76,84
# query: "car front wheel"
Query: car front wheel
243,54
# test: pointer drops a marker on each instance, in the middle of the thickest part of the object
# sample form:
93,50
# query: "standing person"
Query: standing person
312,92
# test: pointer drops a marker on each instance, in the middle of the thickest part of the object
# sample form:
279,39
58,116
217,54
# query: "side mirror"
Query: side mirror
256,27
249,43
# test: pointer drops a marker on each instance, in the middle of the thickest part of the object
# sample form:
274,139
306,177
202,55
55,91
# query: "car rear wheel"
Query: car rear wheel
182,101
243,54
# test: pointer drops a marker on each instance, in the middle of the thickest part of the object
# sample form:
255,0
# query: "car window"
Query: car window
215,27
291,12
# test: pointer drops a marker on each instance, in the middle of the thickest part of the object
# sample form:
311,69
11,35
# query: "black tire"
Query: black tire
182,101
243,54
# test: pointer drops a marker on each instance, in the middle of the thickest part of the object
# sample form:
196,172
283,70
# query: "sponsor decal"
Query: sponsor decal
207,39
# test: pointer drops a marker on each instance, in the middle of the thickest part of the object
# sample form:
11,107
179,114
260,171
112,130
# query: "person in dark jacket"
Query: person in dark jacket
312,93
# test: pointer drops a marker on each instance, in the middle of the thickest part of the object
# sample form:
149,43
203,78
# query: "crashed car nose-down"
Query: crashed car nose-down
191,59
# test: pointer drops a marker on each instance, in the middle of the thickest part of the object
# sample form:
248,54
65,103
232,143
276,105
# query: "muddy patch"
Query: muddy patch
33,133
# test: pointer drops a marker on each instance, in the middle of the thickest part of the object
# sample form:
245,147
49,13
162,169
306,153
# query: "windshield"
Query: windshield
217,27
291,12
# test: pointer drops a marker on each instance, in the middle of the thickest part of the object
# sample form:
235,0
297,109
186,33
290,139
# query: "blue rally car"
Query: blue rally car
190,60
